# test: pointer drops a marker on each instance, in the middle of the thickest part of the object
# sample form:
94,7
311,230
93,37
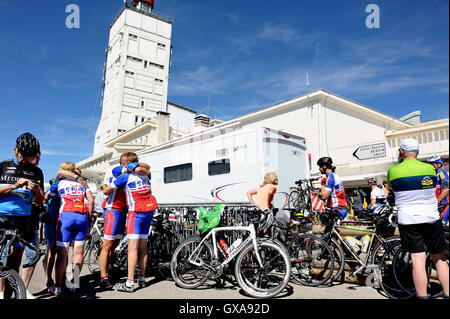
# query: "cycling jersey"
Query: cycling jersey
414,185
337,195
18,202
72,196
379,195
116,200
138,192
441,184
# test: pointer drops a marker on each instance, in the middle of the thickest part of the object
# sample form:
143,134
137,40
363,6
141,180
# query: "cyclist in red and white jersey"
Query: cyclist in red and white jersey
115,216
140,204
72,222
333,191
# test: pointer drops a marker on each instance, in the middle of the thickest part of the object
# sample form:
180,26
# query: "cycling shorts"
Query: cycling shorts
114,224
138,224
50,234
71,227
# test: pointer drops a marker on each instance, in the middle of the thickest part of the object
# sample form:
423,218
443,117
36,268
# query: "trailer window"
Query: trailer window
178,173
219,167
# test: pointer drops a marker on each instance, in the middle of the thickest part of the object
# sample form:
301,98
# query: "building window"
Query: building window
219,167
158,80
136,119
178,173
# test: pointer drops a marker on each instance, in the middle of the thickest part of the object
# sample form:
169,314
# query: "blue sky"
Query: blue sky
246,54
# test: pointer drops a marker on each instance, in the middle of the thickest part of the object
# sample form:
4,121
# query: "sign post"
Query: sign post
370,151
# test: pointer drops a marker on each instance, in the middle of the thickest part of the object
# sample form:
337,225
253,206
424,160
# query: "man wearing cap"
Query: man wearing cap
377,195
414,185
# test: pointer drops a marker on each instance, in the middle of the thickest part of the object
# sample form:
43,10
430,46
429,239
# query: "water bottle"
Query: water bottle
235,245
365,241
352,244
224,246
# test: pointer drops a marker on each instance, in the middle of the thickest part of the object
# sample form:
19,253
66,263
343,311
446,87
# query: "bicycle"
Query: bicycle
367,258
262,267
312,260
94,243
164,241
300,197
401,280
14,286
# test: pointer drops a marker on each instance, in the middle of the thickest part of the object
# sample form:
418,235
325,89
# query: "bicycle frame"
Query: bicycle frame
235,252
362,263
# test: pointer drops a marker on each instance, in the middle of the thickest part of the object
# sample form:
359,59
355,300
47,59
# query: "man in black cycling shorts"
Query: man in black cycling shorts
21,183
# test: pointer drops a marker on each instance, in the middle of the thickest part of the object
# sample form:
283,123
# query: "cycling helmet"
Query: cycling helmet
325,161
380,209
372,181
266,220
435,159
28,145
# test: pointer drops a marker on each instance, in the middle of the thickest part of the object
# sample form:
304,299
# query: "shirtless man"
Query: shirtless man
264,196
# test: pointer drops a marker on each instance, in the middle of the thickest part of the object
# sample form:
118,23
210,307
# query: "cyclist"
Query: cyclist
442,190
115,216
333,189
414,183
36,209
377,195
73,221
141,205
21,181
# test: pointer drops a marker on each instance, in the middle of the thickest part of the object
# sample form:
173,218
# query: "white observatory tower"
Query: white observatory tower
136,70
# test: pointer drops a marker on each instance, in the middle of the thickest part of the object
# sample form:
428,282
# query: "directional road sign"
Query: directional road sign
370,151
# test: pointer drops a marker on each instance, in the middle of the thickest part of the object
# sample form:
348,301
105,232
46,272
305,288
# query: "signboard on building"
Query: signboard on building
370,151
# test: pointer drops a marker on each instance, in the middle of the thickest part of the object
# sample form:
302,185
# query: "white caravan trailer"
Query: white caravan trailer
220,165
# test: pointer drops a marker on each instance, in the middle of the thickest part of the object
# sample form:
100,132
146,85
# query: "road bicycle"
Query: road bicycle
367,257
301,197
262,267
164,240
401,284
312,260
14,286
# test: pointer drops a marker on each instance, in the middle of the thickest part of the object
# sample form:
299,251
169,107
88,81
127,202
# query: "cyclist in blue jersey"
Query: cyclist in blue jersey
20,183
442,188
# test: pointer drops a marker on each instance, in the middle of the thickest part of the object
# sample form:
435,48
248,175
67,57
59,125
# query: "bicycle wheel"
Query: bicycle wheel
14,286
382,247
339,261
389,284
293,199
186,274
162,253
402,266
314,261
269,280
93,256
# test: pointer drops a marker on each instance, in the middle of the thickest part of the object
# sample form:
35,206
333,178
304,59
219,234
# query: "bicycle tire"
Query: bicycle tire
388,283
312,254
266,282
294,196
14,287
93,256
185,274
402,267
161,262
339,261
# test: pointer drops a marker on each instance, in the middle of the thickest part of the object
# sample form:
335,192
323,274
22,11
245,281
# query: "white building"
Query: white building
136,72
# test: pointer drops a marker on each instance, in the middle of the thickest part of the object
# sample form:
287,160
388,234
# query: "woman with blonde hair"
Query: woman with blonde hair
73,221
